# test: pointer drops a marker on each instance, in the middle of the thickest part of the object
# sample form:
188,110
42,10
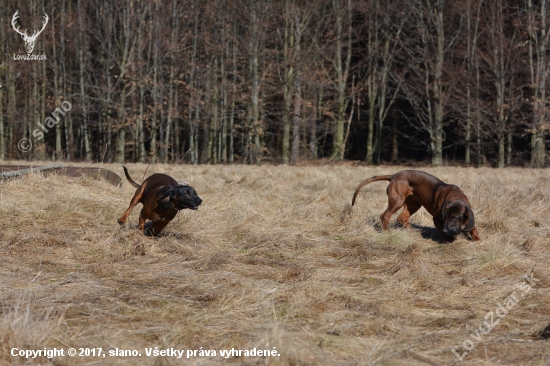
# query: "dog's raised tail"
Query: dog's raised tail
130,179
367,181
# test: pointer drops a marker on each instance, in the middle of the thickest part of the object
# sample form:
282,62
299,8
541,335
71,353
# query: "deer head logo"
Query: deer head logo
29,40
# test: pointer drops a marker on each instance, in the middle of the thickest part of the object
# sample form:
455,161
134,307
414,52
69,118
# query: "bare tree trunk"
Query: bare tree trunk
437,158
84,109
27,124
316,115
395,141
509,148
372,85
470,55
372,96
538,45
57,152
212,156
296,124
106,107
224,99
140,131
288,52
193,136
37,104
170,119
194,102
255,124
498,68
297,118
342,71
2,134
177,130
68,130
383,107
120,153
349,118
127,51
11,102
234,96
43,92
500,108
157,103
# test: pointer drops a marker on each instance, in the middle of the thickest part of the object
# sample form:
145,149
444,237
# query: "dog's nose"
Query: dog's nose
199,201
451,232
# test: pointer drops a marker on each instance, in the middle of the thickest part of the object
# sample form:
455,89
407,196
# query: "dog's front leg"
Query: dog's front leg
474,234
161,223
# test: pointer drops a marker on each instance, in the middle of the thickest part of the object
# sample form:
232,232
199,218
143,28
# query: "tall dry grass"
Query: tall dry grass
274,257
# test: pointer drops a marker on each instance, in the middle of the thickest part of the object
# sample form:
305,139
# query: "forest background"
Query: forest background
288,81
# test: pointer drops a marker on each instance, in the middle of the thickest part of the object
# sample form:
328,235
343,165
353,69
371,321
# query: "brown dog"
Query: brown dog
413,189
162,197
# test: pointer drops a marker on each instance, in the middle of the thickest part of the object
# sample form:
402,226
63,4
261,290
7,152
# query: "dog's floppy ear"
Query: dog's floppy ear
169,192
471,221
444,208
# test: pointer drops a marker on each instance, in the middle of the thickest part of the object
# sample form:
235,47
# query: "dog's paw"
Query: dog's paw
120,222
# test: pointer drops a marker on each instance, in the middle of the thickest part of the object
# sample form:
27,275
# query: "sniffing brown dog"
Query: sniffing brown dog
162,198
413,189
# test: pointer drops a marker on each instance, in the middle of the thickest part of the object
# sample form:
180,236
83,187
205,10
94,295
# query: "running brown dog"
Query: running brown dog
413,189
162,197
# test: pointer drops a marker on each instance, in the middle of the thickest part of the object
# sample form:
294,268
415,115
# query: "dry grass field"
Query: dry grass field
275,257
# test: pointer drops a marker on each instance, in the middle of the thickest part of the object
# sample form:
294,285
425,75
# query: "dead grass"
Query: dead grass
275,257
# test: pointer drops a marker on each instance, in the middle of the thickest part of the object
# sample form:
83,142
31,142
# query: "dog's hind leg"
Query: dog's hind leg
410,207
135,200
397,193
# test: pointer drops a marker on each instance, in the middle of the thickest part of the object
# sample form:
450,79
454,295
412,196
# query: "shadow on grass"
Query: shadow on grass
433,234
430,233
147,231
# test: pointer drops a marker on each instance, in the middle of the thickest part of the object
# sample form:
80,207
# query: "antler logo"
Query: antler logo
29,40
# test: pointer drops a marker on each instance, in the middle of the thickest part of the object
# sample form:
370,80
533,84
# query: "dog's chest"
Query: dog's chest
163,211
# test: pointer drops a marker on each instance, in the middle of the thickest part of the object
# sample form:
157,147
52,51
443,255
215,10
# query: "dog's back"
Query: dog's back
157,180
152,182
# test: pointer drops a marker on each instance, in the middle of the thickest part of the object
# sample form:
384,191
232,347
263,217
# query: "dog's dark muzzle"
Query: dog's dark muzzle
191,205
451,232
